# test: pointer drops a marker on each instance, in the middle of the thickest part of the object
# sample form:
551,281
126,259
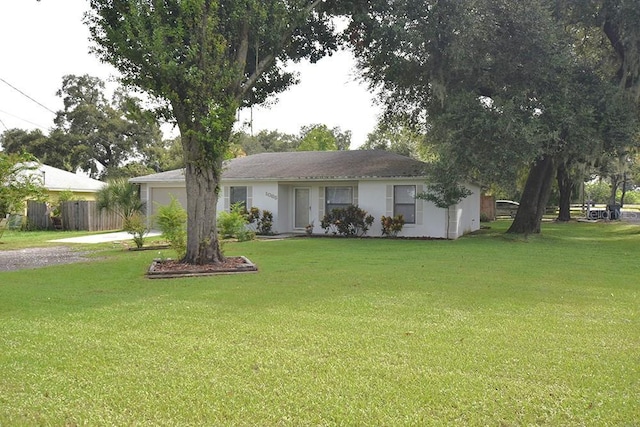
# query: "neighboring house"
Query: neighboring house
56,180
300,187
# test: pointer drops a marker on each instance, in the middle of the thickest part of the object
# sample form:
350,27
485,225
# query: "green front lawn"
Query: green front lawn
485,330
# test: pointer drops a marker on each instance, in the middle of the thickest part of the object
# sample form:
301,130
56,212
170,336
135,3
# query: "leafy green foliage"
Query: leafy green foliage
49,150
600,192
203,60
19,181
397,138
120,196
102,132
315,137
261,220
136,225
320,138
63,196
392,225
95,134
234,223
444,187
172,219
350,221
502,86
265,141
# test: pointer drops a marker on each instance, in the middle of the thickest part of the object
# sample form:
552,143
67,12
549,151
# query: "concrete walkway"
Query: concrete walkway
103,238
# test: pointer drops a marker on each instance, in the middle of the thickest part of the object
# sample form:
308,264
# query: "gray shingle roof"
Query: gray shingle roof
310,165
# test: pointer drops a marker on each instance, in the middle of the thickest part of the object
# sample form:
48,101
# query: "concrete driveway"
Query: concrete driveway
103,238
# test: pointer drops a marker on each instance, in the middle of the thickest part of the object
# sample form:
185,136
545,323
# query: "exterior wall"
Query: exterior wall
468,212
54,195
374,196
284,218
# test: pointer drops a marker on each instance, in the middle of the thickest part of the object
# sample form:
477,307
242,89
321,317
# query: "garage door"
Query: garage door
162,197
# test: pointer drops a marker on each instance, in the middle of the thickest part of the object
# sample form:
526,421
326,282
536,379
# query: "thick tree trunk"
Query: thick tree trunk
204,143
565,187
203,170
203,246
534,197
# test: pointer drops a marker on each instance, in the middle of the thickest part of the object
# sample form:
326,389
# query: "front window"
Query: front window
338,197
238,195
404,202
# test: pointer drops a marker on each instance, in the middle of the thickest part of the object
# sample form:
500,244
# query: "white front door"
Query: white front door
302,207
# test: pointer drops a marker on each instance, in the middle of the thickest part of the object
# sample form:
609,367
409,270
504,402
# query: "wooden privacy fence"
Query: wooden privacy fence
38,215
75,215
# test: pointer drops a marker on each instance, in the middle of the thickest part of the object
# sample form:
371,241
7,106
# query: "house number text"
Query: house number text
271,195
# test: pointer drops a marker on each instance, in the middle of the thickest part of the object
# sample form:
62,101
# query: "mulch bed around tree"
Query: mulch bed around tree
166,269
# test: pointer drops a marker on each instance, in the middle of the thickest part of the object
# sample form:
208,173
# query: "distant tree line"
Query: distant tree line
117,137
316,137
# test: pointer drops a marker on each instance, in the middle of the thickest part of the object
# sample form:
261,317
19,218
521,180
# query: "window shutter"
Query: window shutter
419,205
320,203
355,195
249,198
225,195
389,200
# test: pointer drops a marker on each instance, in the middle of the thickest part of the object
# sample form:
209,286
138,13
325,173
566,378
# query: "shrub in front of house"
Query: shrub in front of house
234,223
136,225
261,221
172,221
350,221
391,226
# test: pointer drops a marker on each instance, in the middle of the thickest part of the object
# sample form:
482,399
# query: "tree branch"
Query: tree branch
270,58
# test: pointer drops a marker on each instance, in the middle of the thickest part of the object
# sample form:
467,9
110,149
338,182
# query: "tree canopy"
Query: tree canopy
103,137
503,85
19,181
106,134
204,59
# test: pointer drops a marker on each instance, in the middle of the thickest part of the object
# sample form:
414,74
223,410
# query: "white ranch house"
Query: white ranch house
300,187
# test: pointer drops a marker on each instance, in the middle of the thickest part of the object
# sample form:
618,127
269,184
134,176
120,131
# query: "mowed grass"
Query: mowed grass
486,330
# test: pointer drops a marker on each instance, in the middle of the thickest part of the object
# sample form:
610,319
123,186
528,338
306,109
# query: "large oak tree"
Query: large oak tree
500,85
205,59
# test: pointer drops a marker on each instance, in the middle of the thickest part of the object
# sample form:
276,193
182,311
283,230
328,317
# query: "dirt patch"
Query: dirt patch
22,259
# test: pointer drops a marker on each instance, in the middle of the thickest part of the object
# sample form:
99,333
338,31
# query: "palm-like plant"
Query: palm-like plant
121,197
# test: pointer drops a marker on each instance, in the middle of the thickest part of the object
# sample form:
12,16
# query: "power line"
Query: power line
24,120
25,95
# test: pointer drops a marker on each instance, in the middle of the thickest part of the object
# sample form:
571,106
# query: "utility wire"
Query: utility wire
25,95
24,120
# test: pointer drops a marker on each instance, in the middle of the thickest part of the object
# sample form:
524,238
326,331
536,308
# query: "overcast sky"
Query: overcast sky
40,42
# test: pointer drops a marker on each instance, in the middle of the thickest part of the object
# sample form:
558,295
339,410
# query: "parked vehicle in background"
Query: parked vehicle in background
506,208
